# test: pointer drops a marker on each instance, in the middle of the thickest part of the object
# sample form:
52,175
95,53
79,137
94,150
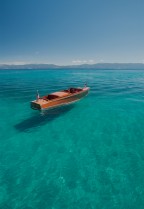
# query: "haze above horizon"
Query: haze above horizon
71,32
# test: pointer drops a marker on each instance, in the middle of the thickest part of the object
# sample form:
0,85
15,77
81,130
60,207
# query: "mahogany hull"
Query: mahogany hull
70,98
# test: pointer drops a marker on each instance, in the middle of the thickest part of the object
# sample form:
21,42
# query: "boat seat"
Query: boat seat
72,90
66,90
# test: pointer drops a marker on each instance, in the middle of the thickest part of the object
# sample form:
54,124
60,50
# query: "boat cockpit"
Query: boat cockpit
61,93
73,90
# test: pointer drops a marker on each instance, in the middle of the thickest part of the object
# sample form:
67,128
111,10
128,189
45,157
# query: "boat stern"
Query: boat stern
35,105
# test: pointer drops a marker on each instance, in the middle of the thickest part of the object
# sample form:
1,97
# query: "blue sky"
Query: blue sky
71,31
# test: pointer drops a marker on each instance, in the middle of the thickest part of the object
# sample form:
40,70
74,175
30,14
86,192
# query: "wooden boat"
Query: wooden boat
60,98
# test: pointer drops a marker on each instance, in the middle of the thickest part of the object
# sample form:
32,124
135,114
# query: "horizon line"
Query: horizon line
22,64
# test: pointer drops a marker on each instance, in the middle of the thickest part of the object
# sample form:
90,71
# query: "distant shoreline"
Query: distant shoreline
98,66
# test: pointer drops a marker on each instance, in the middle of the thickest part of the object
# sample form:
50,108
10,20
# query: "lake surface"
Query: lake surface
88,155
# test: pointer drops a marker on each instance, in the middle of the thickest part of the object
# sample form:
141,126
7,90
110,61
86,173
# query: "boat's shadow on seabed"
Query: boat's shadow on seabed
42,118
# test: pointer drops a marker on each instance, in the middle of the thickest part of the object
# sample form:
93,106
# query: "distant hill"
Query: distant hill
106,66
29,66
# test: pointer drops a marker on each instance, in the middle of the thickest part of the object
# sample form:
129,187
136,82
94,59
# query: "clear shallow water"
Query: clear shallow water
87,155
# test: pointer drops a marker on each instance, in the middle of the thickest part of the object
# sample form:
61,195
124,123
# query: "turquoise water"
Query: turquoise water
88,155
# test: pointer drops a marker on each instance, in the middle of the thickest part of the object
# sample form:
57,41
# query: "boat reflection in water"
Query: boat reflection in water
45,116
